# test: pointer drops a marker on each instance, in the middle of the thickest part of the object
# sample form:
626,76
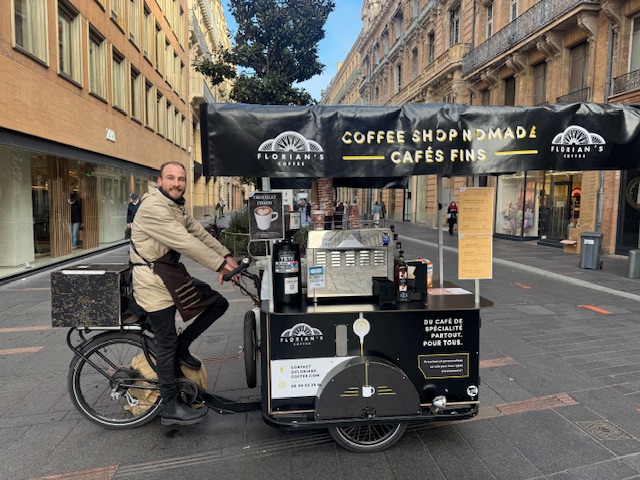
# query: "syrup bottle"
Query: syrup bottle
402,279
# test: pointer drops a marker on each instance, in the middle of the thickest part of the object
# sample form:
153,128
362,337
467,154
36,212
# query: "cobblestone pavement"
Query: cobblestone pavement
560,390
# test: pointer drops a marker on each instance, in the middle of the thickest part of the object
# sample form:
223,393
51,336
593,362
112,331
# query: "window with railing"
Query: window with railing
414,63
431,47
397,27
30,27
454,26
513,10
578,75
485,97
510,91
398,78
540,83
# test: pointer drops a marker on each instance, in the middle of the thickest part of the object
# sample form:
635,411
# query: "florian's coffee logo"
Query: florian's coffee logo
577,142
290,149
301,334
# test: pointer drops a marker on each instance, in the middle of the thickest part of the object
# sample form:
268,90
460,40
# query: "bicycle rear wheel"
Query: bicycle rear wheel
116,402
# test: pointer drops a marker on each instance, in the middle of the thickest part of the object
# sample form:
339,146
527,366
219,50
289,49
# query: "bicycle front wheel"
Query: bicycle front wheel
122,392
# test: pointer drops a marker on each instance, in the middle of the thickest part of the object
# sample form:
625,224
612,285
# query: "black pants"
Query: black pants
168,344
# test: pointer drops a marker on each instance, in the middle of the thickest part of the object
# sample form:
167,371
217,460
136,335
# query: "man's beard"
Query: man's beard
179,201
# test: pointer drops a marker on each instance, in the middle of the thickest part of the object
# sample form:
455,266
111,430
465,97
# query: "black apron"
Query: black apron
190,294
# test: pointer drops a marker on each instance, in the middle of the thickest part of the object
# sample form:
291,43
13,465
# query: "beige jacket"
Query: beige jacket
161,225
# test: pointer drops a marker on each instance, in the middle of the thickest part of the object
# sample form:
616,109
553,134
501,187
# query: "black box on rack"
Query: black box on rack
417,282
89,295
384,291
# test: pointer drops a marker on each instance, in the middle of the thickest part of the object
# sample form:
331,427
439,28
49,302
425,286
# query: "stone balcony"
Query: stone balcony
537,19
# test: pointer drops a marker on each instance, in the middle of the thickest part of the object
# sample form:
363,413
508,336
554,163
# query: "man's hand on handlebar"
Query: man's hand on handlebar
232,269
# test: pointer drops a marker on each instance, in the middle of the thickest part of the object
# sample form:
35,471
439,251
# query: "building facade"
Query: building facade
508,52
95,98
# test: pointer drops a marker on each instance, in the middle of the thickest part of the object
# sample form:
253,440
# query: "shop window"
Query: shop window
517,204
30,27
97,64
118,76
69,42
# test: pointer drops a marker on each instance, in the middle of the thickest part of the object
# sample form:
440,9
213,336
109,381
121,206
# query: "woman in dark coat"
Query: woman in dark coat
452,216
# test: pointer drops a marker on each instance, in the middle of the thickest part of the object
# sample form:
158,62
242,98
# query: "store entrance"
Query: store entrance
558,208
628,237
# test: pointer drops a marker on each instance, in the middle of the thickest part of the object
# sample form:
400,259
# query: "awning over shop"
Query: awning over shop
356,142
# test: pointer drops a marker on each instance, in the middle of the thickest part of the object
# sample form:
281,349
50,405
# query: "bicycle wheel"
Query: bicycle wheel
115,403
250,348
368,438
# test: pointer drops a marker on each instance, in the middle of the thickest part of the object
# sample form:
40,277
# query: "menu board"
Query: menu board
475,212
266,216
475,233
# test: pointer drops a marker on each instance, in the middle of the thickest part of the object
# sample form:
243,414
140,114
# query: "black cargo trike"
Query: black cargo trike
361,365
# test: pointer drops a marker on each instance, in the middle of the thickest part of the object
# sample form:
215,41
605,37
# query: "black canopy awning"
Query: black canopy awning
364,142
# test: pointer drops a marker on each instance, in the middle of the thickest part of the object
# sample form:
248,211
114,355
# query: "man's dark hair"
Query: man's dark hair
178,164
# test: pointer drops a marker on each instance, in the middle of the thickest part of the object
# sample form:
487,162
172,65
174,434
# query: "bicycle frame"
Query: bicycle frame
131,328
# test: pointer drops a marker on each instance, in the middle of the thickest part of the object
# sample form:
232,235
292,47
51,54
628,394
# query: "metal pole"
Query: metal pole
266,187
440,236
476,282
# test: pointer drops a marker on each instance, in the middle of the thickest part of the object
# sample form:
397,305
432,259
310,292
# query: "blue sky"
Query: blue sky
341,30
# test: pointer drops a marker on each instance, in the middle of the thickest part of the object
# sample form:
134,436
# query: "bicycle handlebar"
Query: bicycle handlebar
243,265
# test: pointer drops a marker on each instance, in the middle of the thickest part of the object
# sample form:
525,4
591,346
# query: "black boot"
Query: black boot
189,360
175,412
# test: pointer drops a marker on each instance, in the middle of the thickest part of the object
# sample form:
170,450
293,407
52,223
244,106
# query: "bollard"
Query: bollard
633,268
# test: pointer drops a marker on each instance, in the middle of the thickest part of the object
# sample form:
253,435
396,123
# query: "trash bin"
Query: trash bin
590,243
633,269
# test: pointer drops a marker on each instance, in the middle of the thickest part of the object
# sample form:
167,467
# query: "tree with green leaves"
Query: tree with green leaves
276,46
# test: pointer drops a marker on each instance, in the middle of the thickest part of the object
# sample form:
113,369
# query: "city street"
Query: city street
560,389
